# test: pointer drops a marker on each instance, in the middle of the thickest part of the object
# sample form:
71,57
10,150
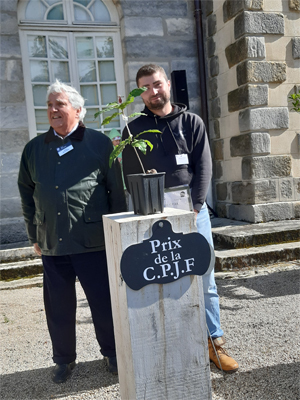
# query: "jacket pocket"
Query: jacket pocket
93,229
41,231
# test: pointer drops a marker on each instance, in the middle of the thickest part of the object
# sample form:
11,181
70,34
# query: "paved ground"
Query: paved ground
259,313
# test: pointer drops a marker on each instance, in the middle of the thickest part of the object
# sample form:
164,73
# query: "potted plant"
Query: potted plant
147,188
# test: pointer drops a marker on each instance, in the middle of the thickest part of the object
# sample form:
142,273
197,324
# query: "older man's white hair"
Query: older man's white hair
75,99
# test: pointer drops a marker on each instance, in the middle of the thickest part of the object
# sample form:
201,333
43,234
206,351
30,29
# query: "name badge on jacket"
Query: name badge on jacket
181,159
64,149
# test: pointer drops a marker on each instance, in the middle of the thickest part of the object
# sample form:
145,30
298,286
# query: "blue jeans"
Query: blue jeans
211,298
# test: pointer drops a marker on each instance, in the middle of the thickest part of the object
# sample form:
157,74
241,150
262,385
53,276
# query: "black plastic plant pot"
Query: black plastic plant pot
147,192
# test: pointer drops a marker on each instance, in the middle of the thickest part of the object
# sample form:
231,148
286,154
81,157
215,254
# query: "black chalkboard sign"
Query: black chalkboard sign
165,257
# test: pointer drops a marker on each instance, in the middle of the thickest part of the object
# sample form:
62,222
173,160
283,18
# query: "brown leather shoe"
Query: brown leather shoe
228,364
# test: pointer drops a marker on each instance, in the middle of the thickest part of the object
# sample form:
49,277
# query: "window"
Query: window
77,42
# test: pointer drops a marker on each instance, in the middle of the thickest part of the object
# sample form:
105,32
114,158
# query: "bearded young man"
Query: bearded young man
182,152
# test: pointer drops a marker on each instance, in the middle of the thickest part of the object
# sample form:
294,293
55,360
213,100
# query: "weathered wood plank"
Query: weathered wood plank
160,330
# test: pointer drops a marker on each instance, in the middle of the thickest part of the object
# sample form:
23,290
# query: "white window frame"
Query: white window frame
71,31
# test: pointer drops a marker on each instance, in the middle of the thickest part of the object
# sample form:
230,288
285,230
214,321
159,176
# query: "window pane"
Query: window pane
41,118
51,2
81,14
56,13
60,70
106,71
100,12
85,3
39,71
58,47
87,71
90,94
108,94
89,119
35,10
85,47
39,95
105,47
37,46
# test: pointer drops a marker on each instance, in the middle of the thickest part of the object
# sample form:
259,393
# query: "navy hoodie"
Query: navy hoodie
182,133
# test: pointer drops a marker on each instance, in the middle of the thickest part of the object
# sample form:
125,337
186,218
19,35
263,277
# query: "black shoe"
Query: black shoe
62,372
112,365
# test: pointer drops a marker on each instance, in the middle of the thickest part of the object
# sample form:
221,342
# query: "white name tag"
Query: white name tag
181,159
64,149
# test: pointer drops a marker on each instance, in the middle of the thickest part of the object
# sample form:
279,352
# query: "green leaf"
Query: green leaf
136,114
137,92
107,120
140,144
129,100
149,131
149,144
116,151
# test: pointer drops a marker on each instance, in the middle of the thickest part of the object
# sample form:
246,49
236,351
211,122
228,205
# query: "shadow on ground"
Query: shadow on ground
269,383
37,384
281,283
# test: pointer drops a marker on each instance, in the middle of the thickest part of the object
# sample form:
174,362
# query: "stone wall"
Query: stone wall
253,50
161,32
14,126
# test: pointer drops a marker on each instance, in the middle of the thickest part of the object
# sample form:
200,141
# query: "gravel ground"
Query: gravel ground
259,314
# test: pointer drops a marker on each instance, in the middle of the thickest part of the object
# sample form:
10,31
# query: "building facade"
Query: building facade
252,63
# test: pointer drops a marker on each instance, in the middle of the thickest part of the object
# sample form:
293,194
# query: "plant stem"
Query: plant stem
134,148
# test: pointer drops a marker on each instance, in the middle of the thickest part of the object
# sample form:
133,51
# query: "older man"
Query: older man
66,186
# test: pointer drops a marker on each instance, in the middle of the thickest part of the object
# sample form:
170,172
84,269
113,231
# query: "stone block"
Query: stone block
232,7
10,46
12,92
296,205
146,26
250,144
216,125
214,66
179,26
11,70
221,189
191,67
13,230
246,47
218,149
141,9
13,141
261,212
266,167
217,169
10,208
10,163
211,25
9,23
286,189
14,117
248,96
9,186
221,209
294,5
260,71
296,48
215,108
297,188
257,119
211,46
137,47
249,23
213,88
254,192
209,7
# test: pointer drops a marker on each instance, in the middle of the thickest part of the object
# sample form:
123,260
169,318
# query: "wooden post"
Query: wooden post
160,330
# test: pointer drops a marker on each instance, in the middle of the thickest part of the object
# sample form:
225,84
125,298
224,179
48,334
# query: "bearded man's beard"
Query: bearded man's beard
159,104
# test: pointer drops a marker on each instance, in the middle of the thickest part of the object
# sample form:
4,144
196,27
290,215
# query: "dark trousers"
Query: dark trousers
60,301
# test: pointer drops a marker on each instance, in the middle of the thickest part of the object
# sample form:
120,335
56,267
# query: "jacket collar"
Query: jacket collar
76,135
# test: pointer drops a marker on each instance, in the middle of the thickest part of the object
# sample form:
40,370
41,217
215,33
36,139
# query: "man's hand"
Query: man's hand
196,212
37,249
